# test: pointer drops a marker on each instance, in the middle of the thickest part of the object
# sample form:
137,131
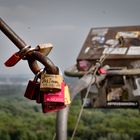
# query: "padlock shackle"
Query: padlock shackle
37,56
50,67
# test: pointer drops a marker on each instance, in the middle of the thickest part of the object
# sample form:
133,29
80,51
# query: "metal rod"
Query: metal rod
135,71
61,124
11,35
73,72
50,67
75,88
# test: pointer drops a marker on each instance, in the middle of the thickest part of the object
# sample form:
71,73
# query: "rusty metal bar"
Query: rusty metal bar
131,72
11,35
50,67
32,61
73,72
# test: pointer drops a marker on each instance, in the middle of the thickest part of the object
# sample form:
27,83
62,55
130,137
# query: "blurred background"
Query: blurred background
65,24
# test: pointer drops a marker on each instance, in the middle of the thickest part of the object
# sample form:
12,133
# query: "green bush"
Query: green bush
22,119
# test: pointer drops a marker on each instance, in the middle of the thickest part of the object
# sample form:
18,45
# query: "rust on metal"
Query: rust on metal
50,67
11,35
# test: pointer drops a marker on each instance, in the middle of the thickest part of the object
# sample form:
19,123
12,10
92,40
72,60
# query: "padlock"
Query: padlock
67,95
16,57
33,88
50,82
44,48
39,97
52,107
55,96
53,101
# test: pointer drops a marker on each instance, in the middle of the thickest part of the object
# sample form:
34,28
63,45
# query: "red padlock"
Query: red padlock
52,107
55,96
54,101
39,97
33,89
14,59
102,71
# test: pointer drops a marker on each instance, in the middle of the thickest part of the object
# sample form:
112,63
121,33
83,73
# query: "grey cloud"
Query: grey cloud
64,23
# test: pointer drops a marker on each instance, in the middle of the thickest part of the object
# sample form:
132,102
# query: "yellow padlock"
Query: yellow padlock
50,82
67,95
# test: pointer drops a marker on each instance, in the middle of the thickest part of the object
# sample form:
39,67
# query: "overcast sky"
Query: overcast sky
64,23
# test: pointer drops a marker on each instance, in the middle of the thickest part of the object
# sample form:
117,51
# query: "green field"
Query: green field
22,119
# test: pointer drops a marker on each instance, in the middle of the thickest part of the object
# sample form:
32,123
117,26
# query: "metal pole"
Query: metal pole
75,88
61,124
11,35
50,67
